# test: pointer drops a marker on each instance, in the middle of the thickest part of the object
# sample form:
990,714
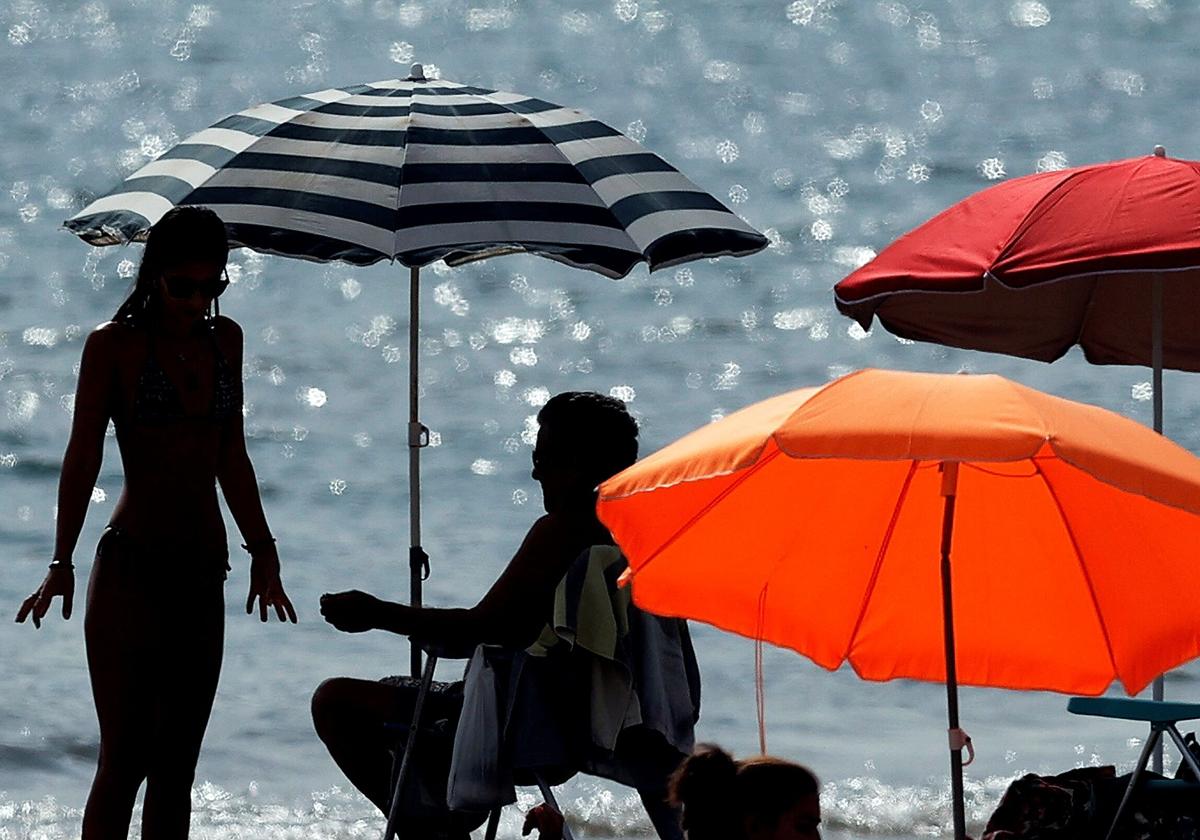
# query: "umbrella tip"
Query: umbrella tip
1160,151
416,73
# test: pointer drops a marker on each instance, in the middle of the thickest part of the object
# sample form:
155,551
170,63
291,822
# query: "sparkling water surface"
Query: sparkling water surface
831,126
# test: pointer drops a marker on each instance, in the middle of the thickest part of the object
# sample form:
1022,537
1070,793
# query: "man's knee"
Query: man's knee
332,704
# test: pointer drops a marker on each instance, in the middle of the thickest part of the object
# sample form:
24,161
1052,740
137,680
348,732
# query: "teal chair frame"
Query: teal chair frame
1162,718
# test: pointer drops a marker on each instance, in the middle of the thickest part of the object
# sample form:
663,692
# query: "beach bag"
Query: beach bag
480,776
1049,807
1081,804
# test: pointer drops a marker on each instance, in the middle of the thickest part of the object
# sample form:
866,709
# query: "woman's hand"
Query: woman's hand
351,611
60,580
546,821
266,586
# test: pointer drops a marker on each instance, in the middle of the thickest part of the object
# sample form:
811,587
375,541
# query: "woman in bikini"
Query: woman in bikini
168,374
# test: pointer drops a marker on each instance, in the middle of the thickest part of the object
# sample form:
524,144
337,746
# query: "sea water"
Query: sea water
831,125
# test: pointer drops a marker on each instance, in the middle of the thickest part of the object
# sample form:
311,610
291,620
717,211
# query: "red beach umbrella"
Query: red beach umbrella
1034,265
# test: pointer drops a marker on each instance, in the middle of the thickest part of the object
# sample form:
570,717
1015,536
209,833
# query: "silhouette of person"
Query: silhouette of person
583,439
167,371
760,798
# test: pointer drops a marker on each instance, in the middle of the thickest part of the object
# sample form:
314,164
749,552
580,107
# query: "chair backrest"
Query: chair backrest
601,667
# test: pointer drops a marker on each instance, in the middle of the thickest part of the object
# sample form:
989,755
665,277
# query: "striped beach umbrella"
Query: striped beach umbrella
417,170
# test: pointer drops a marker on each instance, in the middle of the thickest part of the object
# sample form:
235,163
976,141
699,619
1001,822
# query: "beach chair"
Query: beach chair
1162,717
594,571
402,762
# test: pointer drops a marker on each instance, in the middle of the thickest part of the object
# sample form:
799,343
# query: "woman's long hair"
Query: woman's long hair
188,233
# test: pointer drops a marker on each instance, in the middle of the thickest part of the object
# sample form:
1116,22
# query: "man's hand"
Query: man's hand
351,611
546,821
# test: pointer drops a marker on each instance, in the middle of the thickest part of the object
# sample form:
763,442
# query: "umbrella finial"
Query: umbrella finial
1160,151
416,73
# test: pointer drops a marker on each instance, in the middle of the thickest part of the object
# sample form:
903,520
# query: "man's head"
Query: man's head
583,439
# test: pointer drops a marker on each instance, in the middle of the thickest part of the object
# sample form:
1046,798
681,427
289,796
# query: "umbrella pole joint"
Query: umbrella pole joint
418,435
949,471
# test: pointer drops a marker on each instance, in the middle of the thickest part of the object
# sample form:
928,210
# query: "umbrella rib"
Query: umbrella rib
1041,206
552,144
883,549
1037,209
400,173
1087,310
1082,566
704,511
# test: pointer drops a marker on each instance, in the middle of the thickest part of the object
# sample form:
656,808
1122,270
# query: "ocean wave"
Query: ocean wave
852,808
51,753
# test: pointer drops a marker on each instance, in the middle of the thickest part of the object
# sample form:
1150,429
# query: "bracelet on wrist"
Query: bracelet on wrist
258,546
61,564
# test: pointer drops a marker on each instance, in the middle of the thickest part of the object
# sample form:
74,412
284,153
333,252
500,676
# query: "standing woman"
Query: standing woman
167,372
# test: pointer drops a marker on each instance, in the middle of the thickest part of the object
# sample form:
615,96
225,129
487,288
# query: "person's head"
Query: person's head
757,799
779,800
583,439
182,270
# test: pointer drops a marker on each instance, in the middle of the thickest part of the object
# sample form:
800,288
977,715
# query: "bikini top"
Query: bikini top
157,401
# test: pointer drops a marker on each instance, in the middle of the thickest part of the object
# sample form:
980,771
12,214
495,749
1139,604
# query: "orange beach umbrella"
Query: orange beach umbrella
952,528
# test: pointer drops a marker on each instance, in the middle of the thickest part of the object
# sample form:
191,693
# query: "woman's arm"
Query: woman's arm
81,466
234,471
85,448
239,485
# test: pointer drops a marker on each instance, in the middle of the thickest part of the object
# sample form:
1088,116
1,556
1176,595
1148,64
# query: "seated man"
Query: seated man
583,439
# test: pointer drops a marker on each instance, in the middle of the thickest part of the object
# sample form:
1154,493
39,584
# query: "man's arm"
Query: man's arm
510,614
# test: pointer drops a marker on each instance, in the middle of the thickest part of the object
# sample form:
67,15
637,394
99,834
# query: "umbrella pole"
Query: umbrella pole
1156,359
1156,351
949,471
418,437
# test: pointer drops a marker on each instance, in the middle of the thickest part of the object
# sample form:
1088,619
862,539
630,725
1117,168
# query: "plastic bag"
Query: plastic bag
480,776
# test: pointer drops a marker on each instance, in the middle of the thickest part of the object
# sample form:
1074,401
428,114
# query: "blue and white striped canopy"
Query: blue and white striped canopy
418,170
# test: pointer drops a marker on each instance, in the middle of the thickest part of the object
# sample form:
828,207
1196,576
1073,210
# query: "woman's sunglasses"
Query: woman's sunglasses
185,287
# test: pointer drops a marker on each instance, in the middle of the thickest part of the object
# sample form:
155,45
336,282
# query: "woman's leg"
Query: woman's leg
187,664
115,631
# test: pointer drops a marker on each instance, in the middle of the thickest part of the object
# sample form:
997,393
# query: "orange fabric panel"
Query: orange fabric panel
815,576
1143,560
897,414
878,414
649,521
1023,615
734,442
